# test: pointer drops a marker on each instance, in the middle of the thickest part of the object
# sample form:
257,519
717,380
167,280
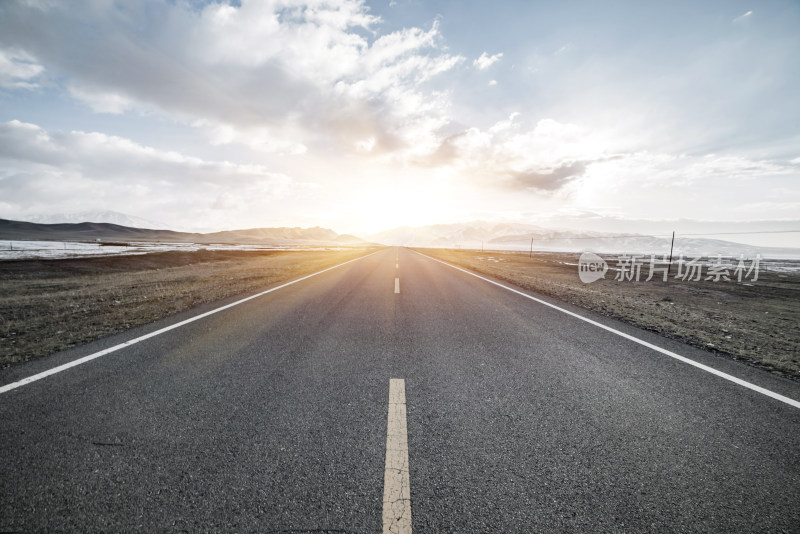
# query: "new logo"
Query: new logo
591,267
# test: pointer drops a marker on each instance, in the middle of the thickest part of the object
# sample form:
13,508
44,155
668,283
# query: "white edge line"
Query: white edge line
726,376
90,357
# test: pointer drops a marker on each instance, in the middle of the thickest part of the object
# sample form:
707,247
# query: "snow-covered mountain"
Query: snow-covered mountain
112,217
516,236
466,235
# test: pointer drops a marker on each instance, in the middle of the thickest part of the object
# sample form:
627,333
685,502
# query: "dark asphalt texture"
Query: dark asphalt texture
271,417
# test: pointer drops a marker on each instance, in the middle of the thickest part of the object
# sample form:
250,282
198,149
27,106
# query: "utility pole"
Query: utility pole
670,254
531,254
481,246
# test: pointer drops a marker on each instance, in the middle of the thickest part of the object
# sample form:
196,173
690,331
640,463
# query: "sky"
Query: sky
363,116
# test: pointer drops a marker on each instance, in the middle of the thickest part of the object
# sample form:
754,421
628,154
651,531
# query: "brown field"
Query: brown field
50,305
758,323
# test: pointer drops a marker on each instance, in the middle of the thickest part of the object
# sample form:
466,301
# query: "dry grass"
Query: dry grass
758,323
50,305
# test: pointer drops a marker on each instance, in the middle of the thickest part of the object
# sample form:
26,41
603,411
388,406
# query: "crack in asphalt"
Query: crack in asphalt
397,490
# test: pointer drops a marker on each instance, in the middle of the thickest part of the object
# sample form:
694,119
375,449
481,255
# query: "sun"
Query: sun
376,209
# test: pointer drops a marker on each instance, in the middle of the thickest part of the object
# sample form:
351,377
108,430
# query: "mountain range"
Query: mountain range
469,235
94,231
517,236
104,216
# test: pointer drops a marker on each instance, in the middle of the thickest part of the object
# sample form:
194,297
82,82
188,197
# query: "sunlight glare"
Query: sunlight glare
388,207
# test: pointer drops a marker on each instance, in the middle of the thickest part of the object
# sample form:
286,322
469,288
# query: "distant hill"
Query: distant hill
85,231
349,239
270,235
90,231
106,216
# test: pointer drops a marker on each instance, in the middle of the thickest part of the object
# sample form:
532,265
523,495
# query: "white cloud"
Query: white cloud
366,145
743,16
18,70
563,50
306,73
263,139
321,78
552,155
485,60
501,126
74,171
733,168
545,158
674,186
787,209
101,101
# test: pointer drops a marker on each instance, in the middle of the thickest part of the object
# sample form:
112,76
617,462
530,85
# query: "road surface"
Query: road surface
506,415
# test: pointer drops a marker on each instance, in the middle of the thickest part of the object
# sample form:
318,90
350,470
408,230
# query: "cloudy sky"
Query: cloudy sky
362,116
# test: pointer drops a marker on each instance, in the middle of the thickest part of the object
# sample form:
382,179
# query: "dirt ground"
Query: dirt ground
50,305
756,321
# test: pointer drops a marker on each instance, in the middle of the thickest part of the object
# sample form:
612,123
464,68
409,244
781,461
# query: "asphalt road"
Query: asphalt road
271,416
